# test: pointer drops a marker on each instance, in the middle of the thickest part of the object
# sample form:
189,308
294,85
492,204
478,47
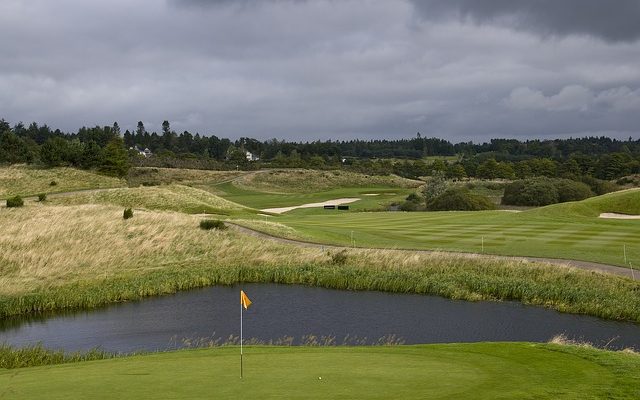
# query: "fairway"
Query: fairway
588,239
567,231
460,371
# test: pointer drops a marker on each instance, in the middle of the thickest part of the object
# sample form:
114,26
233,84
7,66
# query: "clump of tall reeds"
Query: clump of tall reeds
32,356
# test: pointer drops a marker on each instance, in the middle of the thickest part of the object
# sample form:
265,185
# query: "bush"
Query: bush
15,202
410,206
42,196
128,213
569,190
530,192
599,186
460,199
543,191
208,224
53,183
339,258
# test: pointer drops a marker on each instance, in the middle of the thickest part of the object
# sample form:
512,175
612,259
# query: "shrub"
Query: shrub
599,186
543,191
208,224
15,202
53,183
530,192
569,190
460,199
409,206
128,213
42,196
339,258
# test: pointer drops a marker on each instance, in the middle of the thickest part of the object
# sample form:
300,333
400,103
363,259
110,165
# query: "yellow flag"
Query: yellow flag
244,300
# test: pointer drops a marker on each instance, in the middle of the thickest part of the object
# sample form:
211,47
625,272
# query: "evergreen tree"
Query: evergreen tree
115,161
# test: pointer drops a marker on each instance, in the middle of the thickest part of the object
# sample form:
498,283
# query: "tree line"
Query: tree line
107,149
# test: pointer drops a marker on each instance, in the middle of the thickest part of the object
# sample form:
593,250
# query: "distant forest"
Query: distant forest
109,150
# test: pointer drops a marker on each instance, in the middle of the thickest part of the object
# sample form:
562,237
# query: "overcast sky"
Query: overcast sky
326,69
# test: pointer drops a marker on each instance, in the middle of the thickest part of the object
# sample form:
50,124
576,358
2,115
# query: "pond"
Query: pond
293,311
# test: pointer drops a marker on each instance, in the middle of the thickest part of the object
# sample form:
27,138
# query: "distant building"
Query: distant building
144,153
250,156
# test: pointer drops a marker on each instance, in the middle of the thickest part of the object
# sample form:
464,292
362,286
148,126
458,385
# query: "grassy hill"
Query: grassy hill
460,371
168,198
622,202
26,180
305,180
149,176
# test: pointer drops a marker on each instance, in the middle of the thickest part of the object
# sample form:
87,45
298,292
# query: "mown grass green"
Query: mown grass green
461,371
565,231
373,198
26,180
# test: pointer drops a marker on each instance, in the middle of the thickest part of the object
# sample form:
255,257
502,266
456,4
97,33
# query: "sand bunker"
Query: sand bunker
618,216
335,202
371,194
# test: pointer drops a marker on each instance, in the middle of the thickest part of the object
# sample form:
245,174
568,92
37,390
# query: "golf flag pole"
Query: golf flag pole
244,303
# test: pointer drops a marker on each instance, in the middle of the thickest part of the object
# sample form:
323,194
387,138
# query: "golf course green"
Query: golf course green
451,371
567,231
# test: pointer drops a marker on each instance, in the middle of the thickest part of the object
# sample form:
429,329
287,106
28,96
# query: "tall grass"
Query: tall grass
167,198
32,356
305,180
88,256
28,180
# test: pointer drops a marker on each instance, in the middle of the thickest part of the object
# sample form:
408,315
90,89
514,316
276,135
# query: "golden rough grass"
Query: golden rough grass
26,180
172,197
55,245
304,180
151,175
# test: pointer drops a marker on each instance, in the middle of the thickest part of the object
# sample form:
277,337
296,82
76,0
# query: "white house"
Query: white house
144,153
250,156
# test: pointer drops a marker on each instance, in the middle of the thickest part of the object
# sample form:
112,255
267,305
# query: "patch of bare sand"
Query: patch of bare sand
618,216
336,202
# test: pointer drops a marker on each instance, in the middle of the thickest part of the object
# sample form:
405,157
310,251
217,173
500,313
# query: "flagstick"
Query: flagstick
240,339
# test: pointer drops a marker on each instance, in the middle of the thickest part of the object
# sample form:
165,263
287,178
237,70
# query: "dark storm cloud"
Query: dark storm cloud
314,69
616,20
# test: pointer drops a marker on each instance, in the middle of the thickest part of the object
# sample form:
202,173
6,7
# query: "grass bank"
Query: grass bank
307,180
54,257
178,198
461,371
25,180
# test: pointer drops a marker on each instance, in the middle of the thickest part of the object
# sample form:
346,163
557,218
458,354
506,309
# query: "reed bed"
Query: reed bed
54,258
33,356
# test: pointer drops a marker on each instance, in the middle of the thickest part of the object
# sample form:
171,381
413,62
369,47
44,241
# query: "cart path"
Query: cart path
584,265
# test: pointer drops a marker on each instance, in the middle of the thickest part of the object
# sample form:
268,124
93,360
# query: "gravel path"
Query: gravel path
585,265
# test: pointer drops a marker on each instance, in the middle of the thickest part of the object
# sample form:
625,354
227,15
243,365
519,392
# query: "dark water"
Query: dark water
282,310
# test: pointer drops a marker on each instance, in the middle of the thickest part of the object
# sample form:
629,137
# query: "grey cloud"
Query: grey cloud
575,98
614,21
306,70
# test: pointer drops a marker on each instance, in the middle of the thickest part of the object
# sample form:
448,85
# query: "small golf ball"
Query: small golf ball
320,377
